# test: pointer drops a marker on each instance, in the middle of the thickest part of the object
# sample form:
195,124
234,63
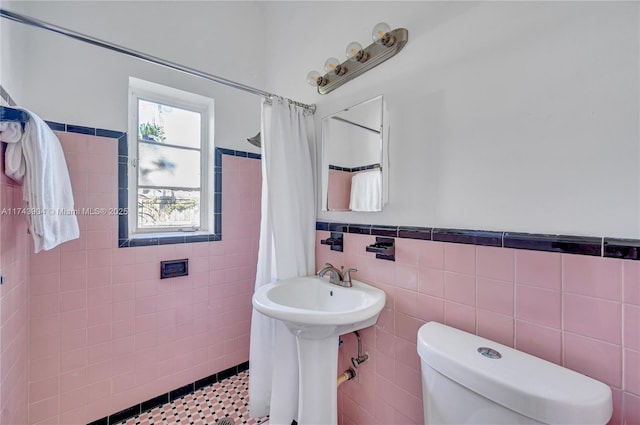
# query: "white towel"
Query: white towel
366,191
37,161
11,133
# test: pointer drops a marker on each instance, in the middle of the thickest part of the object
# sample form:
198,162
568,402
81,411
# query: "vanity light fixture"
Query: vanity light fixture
386,44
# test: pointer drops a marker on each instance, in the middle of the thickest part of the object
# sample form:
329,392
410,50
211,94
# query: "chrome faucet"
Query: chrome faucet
336,276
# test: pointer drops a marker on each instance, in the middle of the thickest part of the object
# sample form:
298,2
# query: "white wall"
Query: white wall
12,55
517,116
71,82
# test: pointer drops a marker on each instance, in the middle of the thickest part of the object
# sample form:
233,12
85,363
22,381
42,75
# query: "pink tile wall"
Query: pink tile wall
105,332
13,305
577,311
339,191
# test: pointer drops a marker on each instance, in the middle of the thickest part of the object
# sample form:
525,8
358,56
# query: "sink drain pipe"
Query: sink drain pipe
351,373
347,375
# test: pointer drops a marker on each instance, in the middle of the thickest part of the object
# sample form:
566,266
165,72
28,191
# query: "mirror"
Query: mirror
353,161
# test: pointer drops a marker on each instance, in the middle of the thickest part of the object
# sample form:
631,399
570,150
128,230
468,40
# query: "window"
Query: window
170,160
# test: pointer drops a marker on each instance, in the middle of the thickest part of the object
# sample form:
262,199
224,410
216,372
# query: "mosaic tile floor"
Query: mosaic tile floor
225,399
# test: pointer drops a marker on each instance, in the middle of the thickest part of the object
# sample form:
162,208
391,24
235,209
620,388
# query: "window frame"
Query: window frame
145,90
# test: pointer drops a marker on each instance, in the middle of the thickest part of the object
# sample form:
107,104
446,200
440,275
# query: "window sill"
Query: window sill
147,239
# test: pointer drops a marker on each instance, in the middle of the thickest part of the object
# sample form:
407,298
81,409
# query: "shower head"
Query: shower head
255,140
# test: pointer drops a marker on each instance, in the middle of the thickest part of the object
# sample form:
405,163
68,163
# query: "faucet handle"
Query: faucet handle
347,275
326,266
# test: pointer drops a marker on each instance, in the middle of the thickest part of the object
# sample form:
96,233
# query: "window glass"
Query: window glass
168,208
168,124
168,166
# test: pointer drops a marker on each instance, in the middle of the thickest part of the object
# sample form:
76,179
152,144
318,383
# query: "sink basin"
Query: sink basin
317,313
313,308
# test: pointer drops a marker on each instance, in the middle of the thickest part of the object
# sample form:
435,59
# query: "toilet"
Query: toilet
467,379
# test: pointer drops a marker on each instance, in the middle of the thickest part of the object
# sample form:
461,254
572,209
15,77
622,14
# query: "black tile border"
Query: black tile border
628,249
80,129
473,237
101,421
56,126
124,414
155,402
181,392
412,232
170,396
123,191
361,229
351,170
337,227
584,245
388,231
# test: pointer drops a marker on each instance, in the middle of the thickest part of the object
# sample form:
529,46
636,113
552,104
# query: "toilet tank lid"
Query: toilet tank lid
523,383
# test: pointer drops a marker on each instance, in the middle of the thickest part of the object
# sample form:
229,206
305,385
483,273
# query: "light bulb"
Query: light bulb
315,79
354,52
312,78
381,34
333,66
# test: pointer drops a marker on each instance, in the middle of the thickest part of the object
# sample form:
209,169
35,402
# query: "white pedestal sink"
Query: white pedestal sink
317,313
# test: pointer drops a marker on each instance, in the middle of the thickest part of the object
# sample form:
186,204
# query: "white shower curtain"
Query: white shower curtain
287,243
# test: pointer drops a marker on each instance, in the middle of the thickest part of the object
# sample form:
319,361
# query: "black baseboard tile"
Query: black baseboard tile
182,391
204,382
473,237
243,366
124,414
154,402
101,421
627,249
227,373
582,245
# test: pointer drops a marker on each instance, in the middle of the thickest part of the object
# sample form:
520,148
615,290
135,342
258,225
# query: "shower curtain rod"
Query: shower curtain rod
27,20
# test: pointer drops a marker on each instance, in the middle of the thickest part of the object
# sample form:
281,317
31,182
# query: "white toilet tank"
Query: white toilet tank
461,385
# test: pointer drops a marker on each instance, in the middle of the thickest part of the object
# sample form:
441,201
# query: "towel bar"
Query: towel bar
335,241
384,248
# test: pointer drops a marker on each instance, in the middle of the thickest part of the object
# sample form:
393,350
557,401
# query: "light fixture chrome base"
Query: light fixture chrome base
376,54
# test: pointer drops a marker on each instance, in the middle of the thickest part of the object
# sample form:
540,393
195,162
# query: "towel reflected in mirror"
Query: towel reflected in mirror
366,191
